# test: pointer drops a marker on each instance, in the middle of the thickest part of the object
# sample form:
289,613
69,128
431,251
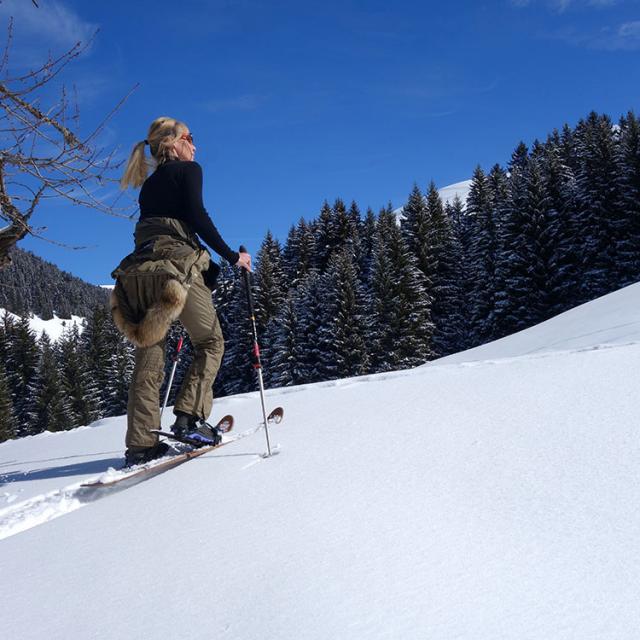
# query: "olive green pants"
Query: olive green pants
196,394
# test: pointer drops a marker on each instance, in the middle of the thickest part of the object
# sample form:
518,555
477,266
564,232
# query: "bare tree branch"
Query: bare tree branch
44,155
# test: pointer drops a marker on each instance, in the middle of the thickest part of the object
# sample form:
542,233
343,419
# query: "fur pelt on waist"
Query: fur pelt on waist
155,323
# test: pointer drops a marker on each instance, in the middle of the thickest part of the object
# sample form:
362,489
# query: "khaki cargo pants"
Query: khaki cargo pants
195,397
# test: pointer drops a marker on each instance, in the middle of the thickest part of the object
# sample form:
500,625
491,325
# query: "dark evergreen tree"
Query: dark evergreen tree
443,277
96,349
400,326
22,366
525,264
119,370
282,335
628,230
482,257
7,424
341,335
75,381
49,408
598,199
310,312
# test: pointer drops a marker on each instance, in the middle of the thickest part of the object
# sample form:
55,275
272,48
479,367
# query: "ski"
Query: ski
130,477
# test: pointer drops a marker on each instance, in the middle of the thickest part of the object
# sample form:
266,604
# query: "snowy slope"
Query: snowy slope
610,320
492,498
53,328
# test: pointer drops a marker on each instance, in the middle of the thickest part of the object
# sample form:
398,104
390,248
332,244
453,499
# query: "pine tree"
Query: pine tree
7,426
74,378
282,335
598,199
482,257
525,263
628,231
401,328
96,349
309,309
443,277
119,370
22,365
49,408
341,335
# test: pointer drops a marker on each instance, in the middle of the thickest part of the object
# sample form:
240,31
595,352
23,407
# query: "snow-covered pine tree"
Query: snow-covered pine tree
282,336
560,187
22,366
298,254
75,382
598,199
325,237
7,426
269,293
49,407
461,238
628,161
415,232
342,347
525,263
365,257
481,257
400,326
237,371
96,346
310,311
444,278
119,370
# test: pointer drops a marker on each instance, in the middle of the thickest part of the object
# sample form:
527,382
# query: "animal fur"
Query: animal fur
156,322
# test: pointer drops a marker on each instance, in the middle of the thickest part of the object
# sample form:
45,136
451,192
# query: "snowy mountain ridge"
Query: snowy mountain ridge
490,494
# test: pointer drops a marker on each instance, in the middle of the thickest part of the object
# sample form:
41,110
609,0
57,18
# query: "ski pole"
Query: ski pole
257,364
176,357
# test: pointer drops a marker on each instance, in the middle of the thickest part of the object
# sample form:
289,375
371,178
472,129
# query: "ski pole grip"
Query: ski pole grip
247,282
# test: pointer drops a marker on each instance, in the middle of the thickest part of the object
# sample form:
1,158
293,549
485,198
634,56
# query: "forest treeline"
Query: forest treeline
351,293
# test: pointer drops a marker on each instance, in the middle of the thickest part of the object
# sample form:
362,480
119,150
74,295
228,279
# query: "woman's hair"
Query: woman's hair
163,133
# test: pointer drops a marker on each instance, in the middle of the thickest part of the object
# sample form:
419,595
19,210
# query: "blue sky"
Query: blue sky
292,103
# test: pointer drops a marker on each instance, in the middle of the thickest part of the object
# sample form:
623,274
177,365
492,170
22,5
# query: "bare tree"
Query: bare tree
42,152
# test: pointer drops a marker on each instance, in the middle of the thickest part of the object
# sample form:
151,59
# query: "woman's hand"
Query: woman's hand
244,261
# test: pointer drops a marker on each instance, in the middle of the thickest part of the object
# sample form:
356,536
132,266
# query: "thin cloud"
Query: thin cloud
52,23
624,37
560,6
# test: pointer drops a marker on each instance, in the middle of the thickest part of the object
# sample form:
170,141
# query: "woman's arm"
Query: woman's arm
198,218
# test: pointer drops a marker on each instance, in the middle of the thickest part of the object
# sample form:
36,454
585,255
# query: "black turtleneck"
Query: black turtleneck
174,190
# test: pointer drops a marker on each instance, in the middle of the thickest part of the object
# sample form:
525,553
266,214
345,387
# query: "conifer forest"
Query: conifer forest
356,292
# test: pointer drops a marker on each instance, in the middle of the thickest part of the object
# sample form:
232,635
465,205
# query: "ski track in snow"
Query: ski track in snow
37,510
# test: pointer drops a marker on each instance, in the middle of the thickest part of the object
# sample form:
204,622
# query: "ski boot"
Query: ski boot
195,431
137,455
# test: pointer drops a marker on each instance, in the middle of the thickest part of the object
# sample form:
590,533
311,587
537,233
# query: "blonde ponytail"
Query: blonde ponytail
163,133
137,168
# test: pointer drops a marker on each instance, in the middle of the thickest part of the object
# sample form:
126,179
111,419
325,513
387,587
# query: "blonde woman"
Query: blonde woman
169,276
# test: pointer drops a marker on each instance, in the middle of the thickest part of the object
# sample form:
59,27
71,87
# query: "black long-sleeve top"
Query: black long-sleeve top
174,190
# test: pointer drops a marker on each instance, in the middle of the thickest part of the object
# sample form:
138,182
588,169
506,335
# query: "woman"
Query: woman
165,279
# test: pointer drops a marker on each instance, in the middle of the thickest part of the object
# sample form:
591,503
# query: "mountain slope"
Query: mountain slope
493,498
33,285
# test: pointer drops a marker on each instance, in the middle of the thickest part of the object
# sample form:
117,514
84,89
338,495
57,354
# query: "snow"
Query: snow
487,495
447,194
54,328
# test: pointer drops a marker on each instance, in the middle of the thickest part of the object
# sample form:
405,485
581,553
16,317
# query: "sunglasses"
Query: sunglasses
188,137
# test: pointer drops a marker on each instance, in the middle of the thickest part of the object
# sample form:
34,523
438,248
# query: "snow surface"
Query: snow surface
53,328
447,194
490,496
